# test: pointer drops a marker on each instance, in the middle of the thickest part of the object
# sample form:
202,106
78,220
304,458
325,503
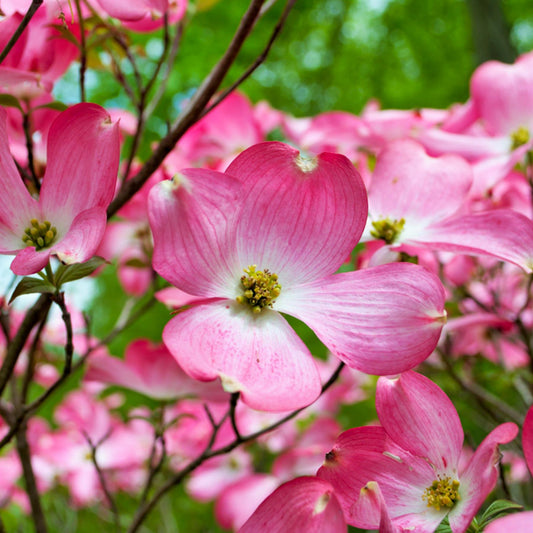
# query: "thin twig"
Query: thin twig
485,399
258,61
26,126
33,316
168,67
159,437
103,483
208,453
59,299
83,51
131,319
28,377
141,105
233,405
23,450
192,112
22,26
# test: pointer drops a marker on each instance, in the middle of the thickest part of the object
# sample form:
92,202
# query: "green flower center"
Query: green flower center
520,137
260,288
444,492
39,234
387,230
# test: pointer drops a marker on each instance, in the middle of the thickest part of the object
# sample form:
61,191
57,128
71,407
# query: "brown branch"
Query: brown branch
168,67
103,483
487,401
33,316
259,60
22,26
17,419
59,299
26,126
193,110
208,453
23,450
141,105
28,377
83,51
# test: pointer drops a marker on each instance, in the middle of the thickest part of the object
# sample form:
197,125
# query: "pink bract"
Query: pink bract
527,439
517,523
298,219
303,504
418,445
77,187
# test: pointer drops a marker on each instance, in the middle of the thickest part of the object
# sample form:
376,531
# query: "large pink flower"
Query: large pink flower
69,218
414,458
265,238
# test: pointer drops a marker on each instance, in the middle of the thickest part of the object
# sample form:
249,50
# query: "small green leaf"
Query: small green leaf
135,263
58,106
8,100
67,273
497,509
66,34
32,285
444,527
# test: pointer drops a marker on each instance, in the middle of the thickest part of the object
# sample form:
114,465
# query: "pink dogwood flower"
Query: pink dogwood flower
303,504
69,218
419,200
265,238
415,460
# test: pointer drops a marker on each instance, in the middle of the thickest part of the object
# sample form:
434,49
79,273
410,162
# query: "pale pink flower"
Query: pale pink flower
40,56
415,459
278,223
69,218
419,200
145,15
151,370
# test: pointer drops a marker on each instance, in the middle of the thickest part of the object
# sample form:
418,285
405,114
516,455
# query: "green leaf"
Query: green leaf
444,527
497,509
32,285
67,273
7,100
135,263
58,106
66,34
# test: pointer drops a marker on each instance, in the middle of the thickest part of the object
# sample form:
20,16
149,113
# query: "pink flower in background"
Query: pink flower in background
145,15
419,200
151,370
266,237
69,218
502,95
39,57
415,460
